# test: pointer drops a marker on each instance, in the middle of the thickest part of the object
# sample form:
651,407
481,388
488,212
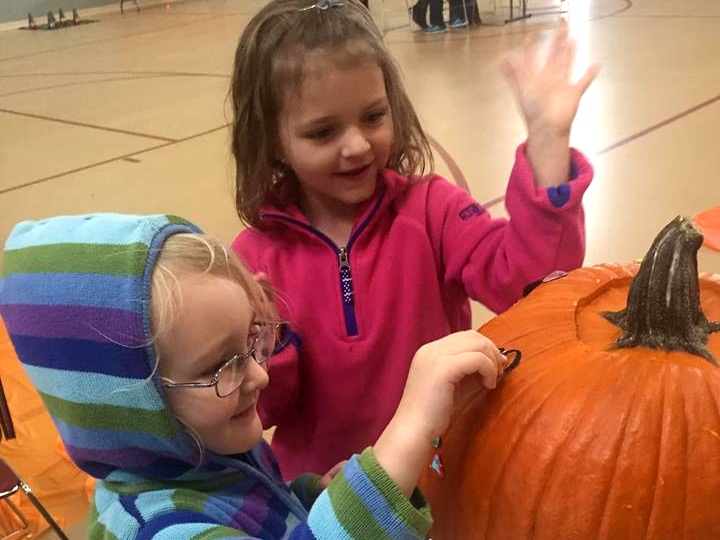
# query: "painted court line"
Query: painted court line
85,125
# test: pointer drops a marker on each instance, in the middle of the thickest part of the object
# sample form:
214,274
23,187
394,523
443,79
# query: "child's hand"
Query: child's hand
332,473
547,97
436,372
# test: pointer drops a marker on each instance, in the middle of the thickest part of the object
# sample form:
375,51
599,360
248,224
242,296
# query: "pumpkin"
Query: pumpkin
709,222
610,426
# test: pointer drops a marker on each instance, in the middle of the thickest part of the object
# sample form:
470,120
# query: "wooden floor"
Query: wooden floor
130,114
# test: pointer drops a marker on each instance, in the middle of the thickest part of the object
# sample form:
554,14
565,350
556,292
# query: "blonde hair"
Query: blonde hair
190,253
269,62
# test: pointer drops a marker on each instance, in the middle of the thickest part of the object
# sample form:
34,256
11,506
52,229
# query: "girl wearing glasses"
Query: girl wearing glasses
149,344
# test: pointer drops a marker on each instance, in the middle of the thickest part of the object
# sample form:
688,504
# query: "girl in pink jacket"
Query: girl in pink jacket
369,258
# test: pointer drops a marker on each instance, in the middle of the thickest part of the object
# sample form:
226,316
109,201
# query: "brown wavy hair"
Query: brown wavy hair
269,63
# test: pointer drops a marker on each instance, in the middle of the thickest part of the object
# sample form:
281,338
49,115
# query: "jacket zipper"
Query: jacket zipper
347,293
346,290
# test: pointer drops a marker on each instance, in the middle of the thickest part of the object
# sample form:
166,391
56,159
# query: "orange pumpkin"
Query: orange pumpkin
601,432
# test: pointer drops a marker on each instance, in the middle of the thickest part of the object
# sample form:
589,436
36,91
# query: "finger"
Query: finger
489,373
562,51
486,346
530,53
587,79
562,31
332,473
509,69
566,59
502,361
459,342
473,363
559,39
513,68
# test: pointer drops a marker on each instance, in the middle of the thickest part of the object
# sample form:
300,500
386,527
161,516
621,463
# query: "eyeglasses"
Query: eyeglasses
232,373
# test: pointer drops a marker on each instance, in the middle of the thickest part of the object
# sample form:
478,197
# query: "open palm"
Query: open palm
547,97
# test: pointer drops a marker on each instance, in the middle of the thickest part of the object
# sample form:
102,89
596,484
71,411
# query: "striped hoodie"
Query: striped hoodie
75,299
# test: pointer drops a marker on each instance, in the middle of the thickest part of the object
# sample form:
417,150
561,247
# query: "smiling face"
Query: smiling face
213,322
336,134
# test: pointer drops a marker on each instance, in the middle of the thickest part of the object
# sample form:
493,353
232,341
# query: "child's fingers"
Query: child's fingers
489,373
470,363
558,44
522,57
502,362
457,342
560,37
529,47
509,69
587,79
566,59
461,354
490,350
332,473
561,54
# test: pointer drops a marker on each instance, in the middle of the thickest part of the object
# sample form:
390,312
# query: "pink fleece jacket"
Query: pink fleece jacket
359,312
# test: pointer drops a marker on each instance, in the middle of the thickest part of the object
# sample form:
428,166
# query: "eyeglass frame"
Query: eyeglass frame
278,327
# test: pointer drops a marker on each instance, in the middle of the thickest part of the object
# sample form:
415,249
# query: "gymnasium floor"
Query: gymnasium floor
129,114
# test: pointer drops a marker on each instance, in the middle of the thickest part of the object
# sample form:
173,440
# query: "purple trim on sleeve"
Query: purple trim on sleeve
559,195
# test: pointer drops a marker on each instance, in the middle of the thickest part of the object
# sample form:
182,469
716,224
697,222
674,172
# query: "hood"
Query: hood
75,298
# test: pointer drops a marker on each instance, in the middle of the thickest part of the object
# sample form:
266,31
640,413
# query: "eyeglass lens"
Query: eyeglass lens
232,376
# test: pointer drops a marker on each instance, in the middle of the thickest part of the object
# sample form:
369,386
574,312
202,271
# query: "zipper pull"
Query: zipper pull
343,258
346,285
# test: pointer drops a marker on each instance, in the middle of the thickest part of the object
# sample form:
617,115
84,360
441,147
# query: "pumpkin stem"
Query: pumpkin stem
663,309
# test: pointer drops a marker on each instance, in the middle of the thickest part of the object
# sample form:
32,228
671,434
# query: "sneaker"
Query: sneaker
458,23
435,29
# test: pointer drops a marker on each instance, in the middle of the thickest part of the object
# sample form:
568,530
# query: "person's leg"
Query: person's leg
473,12
419,13
436,13
457,13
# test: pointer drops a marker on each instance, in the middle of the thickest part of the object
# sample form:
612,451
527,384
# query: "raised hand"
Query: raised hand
549,101
547,97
